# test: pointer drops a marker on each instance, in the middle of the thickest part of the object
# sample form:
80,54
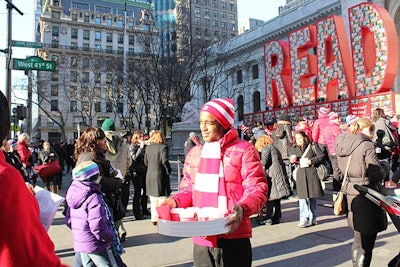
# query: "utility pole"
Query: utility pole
10,7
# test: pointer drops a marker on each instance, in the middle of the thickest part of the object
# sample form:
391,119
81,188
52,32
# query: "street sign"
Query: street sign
26,44
33,63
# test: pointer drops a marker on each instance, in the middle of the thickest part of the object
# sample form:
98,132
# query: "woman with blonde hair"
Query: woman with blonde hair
277,178
364,217
158,171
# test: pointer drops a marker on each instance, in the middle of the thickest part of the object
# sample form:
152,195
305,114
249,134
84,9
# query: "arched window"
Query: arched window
240,104
256,102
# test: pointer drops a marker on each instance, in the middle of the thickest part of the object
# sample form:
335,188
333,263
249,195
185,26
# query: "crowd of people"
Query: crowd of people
241,171
370,144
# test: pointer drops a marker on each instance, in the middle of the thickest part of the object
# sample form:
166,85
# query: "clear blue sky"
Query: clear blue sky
23,25
258,9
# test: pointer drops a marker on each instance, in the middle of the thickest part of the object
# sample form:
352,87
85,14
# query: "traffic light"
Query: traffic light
21,112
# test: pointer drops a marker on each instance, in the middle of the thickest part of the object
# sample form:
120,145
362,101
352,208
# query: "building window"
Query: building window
85,77
232,16
74,33
232,7
256,102
97,106
206,12
233,27
206,32
215,23
131,39
215,3
74,17
54,105
215,13
223,15
109,22
97,77
86,18
240,103
80,6
85,63
97,92
97,20
131,24
73,77
85,106
120,38
207,22
197,10
223,25
56,3
86,34
54,76
120,23
197,21
73,106
97,63
85,91
120,107
97,36
54,90
239,77
73,91
55,31
109,107
102,9
255,71
109,37
55,15
146,27
223,5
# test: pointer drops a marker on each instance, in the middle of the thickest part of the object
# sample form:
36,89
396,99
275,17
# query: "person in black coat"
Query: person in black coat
158,184
278,181
306,156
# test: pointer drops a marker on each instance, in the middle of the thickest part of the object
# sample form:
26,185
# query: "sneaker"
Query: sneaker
304,223
265,222
314,222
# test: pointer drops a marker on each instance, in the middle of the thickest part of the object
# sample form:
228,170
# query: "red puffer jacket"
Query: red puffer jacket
246,183
24,153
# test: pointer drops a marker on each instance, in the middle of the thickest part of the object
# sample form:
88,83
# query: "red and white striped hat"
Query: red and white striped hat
333,115
222,109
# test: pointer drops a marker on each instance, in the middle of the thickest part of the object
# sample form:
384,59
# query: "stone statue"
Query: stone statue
190,114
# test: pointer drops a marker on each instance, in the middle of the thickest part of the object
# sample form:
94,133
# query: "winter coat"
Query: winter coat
308,184
365,169
278,182
137,154
24,241
110,185
386,126
282,137
318,127
13,159
245,179
329,134
158,170
118,152
24,153
86,216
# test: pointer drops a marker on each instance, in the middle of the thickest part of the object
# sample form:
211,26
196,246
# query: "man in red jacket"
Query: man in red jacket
225,173
23,240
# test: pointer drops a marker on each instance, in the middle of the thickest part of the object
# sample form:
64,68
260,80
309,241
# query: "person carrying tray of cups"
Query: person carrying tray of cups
226,173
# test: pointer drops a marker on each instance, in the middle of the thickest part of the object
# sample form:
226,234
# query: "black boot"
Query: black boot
360,259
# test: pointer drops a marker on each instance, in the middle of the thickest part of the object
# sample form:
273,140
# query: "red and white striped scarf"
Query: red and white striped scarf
209,188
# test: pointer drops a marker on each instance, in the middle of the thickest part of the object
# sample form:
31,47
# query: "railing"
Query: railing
178,162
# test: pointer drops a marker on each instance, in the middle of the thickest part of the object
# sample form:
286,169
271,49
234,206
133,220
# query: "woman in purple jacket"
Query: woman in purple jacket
89,217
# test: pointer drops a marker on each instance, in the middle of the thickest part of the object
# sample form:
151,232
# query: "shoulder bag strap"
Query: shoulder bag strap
345,173
306,151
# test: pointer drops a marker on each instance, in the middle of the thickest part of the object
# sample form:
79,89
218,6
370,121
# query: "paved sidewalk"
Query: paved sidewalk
285,244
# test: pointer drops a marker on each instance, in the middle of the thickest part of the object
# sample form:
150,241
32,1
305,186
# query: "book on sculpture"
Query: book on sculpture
48,205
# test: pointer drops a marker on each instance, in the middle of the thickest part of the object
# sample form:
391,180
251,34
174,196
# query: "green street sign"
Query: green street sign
26,44
33,63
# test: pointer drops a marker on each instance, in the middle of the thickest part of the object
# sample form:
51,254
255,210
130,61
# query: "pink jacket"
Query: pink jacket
318,127
246,183
329,134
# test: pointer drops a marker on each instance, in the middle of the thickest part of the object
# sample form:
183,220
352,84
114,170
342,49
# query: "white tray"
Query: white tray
189,229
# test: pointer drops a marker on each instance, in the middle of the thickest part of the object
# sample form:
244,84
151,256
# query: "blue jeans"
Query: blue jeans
308,209
102,258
